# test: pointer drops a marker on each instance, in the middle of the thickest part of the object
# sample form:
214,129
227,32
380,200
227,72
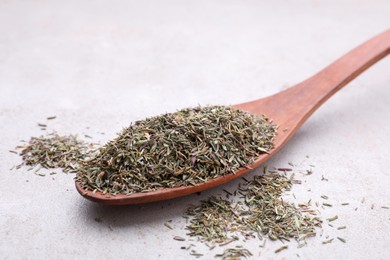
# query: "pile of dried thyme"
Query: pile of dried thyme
259,212
269,214
54,151
187,147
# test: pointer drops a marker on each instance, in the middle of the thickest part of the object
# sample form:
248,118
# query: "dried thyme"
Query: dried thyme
54,151
187,147
281,249
342,239
328,241
178,238
260,211
234,254
332,218
269,214
213,219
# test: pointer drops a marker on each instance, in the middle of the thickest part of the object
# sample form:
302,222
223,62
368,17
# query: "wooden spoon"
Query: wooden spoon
289,109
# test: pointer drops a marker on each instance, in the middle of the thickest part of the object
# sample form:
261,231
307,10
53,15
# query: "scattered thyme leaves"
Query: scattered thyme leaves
54,151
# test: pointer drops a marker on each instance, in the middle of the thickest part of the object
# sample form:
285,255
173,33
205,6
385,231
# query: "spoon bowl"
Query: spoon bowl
288,109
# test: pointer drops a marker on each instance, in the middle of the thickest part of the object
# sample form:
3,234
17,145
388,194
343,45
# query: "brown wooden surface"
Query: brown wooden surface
289,109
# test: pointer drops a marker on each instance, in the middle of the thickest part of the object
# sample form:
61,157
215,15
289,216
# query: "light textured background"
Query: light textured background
102,64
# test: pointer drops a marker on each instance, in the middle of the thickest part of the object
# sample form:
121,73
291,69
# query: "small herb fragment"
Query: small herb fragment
234,253
178,238
333,218
328,241
280,249
341,239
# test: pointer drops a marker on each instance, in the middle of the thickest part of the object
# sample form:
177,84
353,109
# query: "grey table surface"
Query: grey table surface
99,65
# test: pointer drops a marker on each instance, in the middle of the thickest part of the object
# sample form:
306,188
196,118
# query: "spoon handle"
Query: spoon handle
303,99
290,108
